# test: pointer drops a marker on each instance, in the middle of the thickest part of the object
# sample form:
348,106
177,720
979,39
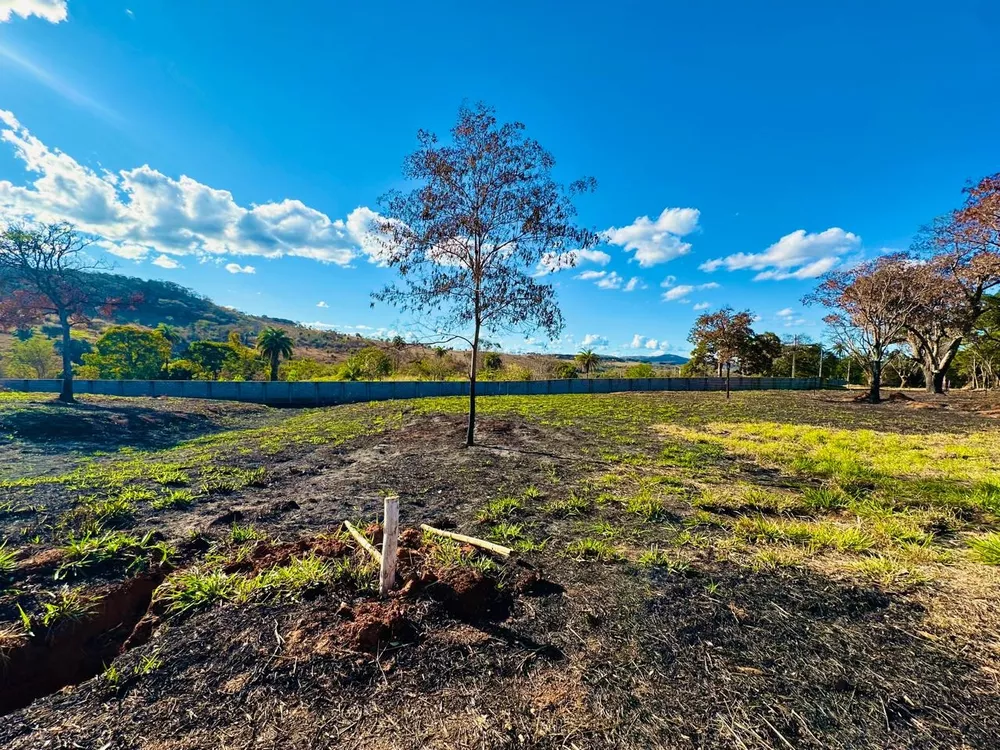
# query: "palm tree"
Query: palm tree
169,332
842,351
273,344
587,360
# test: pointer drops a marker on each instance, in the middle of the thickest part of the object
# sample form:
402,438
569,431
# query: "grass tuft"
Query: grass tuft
986,549
590,548
500,509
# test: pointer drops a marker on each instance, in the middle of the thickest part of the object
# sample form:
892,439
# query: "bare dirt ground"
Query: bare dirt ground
639,610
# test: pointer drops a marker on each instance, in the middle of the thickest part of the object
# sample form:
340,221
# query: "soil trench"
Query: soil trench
70,652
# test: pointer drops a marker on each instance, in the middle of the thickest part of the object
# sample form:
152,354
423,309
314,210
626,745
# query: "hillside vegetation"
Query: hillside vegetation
192,317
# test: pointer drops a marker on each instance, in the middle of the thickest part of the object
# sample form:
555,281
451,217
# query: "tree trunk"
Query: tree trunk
66,394
274,367
937,382
470,435
875,386
728,374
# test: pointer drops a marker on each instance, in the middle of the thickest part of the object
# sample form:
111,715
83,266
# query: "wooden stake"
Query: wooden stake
360,539
390,534
498,548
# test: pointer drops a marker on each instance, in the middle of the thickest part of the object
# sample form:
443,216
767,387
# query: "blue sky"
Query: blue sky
740,148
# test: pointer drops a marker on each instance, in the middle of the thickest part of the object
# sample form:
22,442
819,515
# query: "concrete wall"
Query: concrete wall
321,393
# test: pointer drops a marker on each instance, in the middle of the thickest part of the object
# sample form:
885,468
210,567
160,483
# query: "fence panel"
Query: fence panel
308,393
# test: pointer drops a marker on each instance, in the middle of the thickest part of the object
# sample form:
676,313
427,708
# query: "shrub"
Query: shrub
641,370
565,371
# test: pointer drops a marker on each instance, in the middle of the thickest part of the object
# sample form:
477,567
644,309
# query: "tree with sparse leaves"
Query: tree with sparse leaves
467,239
870,306
48,264
723,335
959,262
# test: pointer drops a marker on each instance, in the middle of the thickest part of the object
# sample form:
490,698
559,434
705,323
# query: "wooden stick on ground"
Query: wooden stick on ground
390,534
360,539
498,548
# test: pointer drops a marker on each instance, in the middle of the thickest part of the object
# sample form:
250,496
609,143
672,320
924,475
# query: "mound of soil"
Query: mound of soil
471,596
373,625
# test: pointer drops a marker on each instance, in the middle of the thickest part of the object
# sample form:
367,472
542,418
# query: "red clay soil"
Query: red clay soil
267,555
372,625
469,595
71,652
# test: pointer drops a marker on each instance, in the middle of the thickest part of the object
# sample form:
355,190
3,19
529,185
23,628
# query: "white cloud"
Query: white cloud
656,241
681,291
678,292
641,342
593,339
669,281
702,306
321,303
559,261
165,261
611,281
237,268
142,211
52,11
799,255
785,313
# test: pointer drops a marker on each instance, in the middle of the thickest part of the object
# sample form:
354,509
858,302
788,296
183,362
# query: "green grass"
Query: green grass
500,509
67,606
300,574
571,505
986,549
246,533
814,535
825,498
112,511
8,560
655,557
348,572
506,532
646,504
590,548
888,572
195,589
177,499
773,558
114,549
147,664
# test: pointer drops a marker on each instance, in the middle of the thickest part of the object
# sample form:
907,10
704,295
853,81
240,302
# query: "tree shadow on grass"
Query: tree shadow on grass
86,427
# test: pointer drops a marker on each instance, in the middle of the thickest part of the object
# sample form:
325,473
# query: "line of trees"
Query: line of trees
926,302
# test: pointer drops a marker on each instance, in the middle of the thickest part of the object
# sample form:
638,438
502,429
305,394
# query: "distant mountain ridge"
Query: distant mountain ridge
653,359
